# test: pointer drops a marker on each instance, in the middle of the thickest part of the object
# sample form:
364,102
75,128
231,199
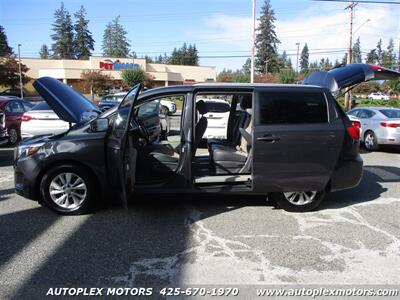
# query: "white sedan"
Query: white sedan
378,96
41,120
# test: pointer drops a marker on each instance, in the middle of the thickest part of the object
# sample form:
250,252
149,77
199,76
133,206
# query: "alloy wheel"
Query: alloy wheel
12,136
369,141
300,198
68,190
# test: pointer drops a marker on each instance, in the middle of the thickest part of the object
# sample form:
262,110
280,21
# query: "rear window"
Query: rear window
217,107
292,108
391,113
42,106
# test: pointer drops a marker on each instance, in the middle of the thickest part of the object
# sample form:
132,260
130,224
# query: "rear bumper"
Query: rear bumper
3,137
348,174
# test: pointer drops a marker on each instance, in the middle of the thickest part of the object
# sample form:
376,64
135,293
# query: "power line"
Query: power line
360,1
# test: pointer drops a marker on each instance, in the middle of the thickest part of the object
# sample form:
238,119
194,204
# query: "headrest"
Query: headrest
201,107
245,102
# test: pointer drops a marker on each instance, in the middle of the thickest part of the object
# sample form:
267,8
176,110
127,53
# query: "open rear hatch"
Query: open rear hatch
349,75
68,104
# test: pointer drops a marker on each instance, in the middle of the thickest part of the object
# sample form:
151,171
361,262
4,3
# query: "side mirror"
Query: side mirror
99,125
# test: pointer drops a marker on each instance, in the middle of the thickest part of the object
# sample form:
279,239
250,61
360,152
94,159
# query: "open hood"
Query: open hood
68,104
349,75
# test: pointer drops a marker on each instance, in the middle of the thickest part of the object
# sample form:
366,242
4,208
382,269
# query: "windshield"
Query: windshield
391,113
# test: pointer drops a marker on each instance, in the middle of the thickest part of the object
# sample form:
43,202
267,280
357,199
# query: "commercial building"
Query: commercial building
70,70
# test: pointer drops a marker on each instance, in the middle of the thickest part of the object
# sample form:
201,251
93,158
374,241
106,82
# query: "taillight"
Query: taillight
26,118
391,125
354,130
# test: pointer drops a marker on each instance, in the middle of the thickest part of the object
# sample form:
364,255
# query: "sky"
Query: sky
219,28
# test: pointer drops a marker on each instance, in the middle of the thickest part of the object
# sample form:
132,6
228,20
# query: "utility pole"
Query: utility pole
398,59
347,96
253,43
20,71
297,58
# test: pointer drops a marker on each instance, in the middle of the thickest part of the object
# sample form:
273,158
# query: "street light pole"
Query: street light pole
347,96
20,71
297,58
253,43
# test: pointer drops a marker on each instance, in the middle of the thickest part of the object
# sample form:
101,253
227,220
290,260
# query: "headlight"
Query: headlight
27,150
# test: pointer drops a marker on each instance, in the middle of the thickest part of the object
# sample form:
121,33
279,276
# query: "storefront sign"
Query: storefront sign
108,64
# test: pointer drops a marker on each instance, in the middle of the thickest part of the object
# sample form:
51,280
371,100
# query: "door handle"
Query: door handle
269,138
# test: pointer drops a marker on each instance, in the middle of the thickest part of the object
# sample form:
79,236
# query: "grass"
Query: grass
363,102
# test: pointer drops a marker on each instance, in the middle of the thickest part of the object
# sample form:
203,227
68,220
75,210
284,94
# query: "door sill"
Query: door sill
222,179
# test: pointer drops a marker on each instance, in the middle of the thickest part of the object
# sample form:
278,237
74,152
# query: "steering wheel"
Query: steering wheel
142,129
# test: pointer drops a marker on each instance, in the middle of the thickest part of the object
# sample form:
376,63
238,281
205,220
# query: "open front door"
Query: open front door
121,155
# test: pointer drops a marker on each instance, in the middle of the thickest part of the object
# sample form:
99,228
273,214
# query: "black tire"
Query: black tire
165,110
88,201
370,141
13,136
280,200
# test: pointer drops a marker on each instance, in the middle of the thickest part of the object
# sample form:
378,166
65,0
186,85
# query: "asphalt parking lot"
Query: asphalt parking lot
354,238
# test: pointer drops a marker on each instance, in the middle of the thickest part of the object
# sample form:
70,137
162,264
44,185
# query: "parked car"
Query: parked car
217,116
378,96
13,110
380,126
111,100
40,120
3,129
298,145
169,106
12,92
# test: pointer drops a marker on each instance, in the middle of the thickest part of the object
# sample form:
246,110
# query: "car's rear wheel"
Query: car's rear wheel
13,136
371,141
298,201
68,189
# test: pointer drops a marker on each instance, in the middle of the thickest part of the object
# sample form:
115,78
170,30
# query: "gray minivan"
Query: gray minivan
290,142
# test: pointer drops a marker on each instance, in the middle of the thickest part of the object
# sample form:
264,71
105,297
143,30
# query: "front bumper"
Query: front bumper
25,174
348,174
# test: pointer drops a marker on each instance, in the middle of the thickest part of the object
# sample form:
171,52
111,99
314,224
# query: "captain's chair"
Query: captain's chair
201,124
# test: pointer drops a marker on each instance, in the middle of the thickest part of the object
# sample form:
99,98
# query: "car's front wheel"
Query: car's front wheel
298,201
68,189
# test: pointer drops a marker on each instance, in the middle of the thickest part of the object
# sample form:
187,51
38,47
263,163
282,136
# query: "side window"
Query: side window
292,107
27,106
15,107
366,114
354,112
149,108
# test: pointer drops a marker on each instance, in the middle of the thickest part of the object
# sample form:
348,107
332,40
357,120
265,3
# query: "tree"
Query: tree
84,42
63,37
287,76
388,56
9,72
246,69
5,50
148,59
325,64
357,57
115,42
186,55
233,76
44,52
372,57
130,77
97,80
379,52
267,41
304,57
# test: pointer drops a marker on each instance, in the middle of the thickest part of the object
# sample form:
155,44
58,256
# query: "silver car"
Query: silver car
379,126
41,120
